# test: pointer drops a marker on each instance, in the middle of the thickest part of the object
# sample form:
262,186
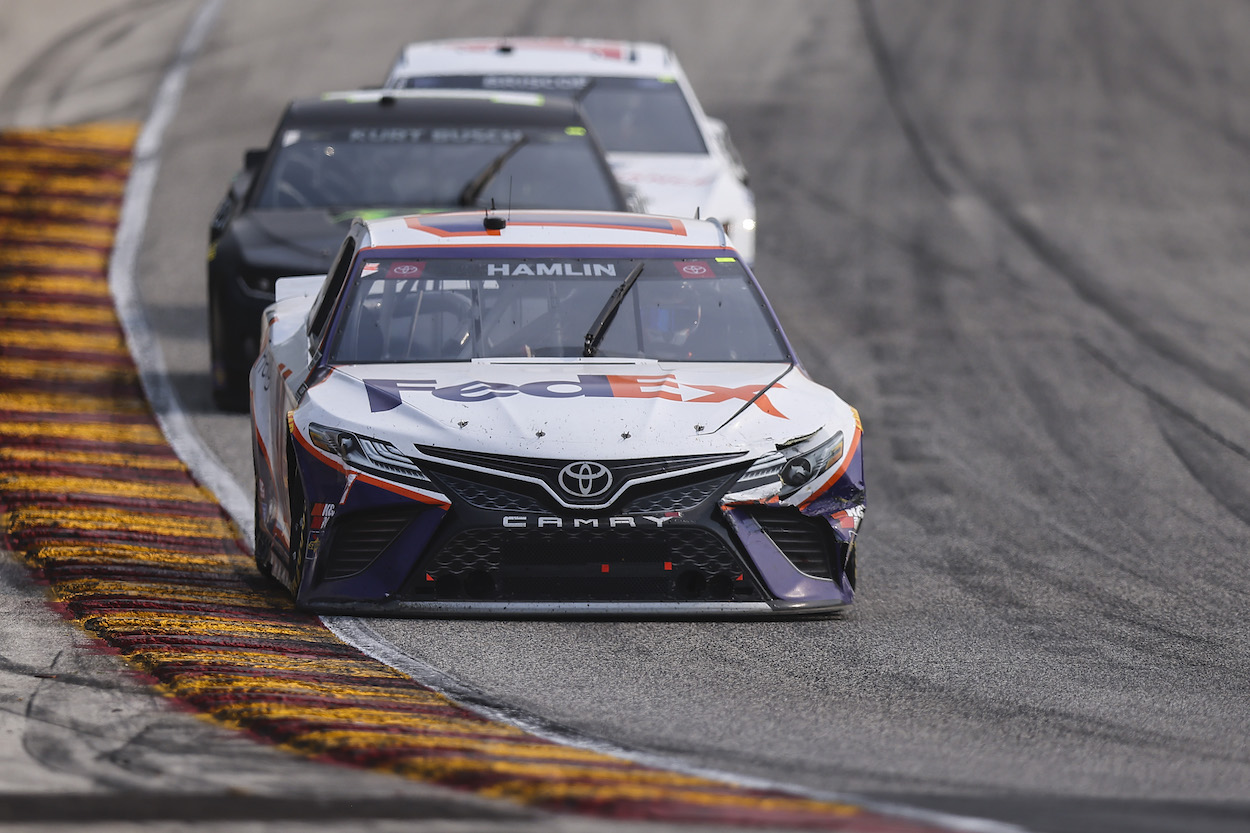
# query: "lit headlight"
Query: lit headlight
732,226
365,452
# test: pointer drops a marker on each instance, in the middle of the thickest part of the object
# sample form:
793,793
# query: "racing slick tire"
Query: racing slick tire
262,547
230,363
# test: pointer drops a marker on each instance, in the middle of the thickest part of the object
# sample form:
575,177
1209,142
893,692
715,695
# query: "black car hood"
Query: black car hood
295,241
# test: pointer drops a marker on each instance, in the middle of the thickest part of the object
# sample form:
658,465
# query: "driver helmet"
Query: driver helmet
671,315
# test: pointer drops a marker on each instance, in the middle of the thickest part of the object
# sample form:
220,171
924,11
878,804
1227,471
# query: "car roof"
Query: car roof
536,56
545,228
447,106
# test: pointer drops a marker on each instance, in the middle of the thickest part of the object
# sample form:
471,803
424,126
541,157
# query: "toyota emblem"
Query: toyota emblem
585,479
409,269
694,269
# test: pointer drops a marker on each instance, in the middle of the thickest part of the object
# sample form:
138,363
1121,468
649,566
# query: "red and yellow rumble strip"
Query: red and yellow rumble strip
144,559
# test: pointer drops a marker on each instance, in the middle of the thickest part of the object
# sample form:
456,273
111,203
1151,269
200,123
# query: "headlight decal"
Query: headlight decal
844,488
319,450
783,475
802,469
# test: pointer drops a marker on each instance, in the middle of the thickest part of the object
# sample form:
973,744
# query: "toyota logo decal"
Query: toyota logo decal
585,479
406,269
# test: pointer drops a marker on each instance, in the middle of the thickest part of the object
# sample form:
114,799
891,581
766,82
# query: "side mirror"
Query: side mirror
254,158
221,217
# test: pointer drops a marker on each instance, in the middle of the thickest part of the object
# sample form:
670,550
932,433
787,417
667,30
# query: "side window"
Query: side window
331,290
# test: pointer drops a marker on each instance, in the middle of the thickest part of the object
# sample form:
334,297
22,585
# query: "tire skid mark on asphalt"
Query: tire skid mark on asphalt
142,557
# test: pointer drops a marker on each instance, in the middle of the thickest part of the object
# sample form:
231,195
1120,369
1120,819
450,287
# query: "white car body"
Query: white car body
730,486
711,183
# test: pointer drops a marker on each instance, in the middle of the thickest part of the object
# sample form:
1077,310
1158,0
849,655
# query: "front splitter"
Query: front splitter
580,610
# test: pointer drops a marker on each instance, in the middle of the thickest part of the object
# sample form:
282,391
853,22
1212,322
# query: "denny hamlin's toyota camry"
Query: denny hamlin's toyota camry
552,412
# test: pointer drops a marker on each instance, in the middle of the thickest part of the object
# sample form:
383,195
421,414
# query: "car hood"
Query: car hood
306,239
674,184
578,408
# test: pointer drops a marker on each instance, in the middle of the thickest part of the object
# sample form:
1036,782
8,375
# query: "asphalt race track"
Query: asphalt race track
1013,234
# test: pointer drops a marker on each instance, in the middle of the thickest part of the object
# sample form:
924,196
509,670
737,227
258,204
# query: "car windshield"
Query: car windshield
438,310
630,115
437,167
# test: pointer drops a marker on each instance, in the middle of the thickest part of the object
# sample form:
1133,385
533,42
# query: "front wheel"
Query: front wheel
262,545
301,523
230,362
850,565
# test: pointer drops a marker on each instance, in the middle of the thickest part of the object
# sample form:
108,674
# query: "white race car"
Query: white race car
547,413
637,99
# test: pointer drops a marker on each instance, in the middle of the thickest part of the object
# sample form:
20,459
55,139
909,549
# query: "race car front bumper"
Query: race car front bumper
491,545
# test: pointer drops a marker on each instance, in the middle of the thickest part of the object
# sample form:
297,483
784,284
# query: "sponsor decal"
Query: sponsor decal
406,269
556,522
536,83
437,135
385,394
476,136
321,515
314,545
387,135
848,519
370,268
693,268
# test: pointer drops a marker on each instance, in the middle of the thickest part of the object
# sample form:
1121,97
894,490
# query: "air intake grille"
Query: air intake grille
677,499
548,471
487,548
358,540
490,497
805,541
623,565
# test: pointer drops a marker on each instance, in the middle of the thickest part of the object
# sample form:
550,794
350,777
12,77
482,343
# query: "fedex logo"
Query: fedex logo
385,394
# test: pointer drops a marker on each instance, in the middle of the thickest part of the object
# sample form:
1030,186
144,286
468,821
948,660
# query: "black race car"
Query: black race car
376,153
